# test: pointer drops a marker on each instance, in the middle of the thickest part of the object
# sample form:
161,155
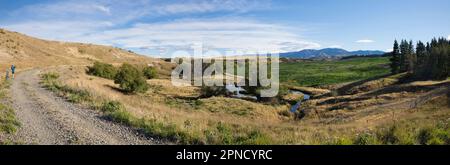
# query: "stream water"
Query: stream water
299,103
238,93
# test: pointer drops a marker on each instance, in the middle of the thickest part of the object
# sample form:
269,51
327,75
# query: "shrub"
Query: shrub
433,136
365,139
388,136
130,79
102,70
209,91
75,95
121,116
112,106
150,72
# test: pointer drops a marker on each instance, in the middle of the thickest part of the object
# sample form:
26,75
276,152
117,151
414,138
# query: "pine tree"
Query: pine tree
403,56
411,57
421,52
437,64
395,59
427,62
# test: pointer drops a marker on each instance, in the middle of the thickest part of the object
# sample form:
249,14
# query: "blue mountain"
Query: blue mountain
328,53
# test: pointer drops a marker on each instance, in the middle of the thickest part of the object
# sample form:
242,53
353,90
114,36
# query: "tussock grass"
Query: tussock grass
169,112
219,133
8,121
50,81
434,134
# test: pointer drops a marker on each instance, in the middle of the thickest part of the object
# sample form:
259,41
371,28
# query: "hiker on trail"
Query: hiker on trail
13,70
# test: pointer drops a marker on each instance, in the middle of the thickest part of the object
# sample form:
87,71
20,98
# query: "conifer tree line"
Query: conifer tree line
426,61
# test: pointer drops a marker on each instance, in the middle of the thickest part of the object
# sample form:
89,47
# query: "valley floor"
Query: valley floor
377,111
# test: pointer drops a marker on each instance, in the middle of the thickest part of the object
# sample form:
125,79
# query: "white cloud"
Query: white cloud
389,50
241,35
448,37
231,34
129,10
365,41
64,8
102,8
58,30
203,6
112,22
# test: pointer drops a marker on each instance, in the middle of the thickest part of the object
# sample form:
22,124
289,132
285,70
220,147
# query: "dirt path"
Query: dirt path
47,119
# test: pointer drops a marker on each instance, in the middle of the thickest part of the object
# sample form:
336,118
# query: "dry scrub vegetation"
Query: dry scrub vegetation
176,114
375,111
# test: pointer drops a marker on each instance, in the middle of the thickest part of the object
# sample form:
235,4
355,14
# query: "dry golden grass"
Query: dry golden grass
174,105
28,52
165,87
310,90
160,103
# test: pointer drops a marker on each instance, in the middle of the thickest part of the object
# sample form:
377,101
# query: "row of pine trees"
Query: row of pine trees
425,61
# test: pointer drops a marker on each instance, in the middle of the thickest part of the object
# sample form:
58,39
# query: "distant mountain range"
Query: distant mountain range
328,53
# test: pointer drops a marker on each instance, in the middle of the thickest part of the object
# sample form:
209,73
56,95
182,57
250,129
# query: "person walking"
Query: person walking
13,70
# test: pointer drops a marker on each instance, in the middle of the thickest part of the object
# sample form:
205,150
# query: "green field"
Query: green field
314,73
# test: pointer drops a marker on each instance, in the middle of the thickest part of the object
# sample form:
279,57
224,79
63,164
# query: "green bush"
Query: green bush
388,135
130,79
102,70
112,106
75,95
150,72
433,136
121,116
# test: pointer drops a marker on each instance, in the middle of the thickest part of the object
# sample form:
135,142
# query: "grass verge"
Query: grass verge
8,121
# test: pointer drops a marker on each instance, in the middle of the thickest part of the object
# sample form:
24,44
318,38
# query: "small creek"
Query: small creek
299,103
238,93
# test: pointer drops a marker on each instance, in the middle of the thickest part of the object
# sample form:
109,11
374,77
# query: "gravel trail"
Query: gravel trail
47,119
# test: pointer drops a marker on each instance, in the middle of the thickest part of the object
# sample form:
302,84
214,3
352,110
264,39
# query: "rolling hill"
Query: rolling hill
29,52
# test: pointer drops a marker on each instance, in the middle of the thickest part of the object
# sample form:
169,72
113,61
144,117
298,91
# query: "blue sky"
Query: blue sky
160,27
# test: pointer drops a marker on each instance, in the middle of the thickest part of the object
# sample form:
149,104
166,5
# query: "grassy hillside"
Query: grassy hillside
332,72
29,52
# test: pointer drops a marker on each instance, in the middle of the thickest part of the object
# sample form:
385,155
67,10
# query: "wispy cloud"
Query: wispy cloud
120,23
232,34
203,6
118,10
365,41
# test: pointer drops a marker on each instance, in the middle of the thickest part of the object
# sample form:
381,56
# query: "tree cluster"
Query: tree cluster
426,61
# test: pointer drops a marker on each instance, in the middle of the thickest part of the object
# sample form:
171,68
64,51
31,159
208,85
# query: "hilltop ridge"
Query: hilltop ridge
29,52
